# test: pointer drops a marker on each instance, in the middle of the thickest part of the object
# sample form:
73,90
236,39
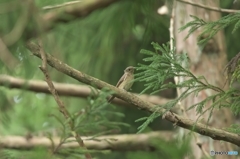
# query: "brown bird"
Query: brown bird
126,81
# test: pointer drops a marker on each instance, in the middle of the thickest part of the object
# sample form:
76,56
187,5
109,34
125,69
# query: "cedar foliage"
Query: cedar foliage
91,44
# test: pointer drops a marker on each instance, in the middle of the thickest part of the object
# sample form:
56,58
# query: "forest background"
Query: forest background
99,38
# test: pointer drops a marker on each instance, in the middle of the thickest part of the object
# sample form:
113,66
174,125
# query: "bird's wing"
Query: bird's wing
118,84
121,80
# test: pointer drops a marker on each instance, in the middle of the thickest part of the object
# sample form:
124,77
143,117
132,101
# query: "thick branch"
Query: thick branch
216,134
128,142
67,89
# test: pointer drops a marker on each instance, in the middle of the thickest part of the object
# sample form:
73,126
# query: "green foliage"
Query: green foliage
211,28
164,149
230,23
234,128
106,34
194,25
38,153
21,118
165,64
233,70
94,119
96,115
91,44
147,120
180,148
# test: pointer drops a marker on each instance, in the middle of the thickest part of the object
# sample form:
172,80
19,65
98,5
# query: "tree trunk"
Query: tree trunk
210,63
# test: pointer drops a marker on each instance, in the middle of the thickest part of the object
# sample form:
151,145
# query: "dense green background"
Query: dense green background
102,44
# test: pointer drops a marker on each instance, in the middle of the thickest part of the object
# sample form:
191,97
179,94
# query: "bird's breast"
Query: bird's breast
128,82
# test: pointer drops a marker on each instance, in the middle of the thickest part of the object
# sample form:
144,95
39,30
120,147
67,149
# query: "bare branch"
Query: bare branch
73,11
60,5
62,108
209,8
6,56
68,89
128,142
216,134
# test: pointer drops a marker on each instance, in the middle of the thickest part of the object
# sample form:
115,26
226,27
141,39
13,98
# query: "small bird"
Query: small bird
126,81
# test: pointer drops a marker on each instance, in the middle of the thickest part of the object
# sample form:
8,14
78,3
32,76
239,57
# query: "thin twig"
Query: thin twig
62,108
210,8
60,5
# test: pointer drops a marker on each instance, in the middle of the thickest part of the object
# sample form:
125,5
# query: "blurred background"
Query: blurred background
101,44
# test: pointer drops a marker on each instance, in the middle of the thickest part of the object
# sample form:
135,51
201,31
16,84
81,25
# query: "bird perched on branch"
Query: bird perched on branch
126,81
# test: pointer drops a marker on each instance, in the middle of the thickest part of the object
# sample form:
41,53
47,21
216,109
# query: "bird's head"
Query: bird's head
129,69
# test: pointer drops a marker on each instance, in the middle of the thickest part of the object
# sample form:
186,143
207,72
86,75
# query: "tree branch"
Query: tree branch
61,5
68,89
128,142
6,57
73,11
216,134
60,103
209,8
